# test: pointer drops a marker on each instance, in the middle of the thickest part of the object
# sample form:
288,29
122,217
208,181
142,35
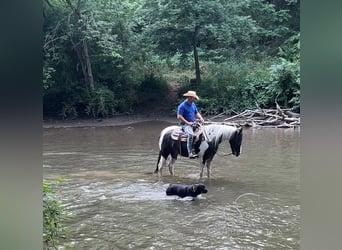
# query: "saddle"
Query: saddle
179,135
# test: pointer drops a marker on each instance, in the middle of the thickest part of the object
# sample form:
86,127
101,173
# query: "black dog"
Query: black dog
186,190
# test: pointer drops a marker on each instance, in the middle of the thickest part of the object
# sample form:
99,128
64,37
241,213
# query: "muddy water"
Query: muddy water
106,181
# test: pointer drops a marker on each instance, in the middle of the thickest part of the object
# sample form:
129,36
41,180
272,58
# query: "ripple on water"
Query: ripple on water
260,224
140,191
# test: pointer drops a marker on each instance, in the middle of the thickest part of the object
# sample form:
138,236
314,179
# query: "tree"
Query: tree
182,25
99,55
88,57
80,43
211,29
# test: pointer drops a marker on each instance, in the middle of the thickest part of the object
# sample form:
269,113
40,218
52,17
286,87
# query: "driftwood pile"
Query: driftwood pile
272,118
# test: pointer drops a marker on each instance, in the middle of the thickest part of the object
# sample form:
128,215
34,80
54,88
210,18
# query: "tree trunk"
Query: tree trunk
89,75
83,66
83,54
197,67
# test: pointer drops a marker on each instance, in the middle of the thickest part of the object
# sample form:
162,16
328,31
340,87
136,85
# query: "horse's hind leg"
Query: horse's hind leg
161,165
171,166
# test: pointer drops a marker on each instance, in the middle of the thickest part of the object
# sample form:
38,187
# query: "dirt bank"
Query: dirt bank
113,121
244,119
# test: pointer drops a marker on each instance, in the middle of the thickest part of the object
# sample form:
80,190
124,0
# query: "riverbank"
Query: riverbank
272,118
112,121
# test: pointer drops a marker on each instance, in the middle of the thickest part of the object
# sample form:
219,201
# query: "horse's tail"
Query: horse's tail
156,171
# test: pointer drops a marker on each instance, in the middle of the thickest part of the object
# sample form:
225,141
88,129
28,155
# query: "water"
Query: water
107,183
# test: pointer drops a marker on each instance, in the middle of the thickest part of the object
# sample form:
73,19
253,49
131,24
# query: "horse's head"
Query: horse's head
235,141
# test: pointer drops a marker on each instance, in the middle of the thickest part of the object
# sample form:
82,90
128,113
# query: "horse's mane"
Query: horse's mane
219,132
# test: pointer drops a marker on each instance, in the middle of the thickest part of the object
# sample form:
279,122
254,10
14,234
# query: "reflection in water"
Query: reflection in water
107,182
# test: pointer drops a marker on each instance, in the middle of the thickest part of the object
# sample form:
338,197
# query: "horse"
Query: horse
206,145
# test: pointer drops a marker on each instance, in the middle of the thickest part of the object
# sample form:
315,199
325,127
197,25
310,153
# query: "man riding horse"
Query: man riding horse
187,113
207,138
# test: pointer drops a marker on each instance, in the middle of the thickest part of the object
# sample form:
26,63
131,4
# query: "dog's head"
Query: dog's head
199,189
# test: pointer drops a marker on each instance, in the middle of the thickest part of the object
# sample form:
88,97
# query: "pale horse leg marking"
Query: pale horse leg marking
161,165
203,147
202,167
208,168
171,166
207,163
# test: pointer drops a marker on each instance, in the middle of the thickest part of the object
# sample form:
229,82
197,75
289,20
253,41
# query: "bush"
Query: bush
102,104
53,215
227,88
66,100
249,85
151,90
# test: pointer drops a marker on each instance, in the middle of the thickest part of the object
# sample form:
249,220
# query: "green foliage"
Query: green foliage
283,79
287,73
102,103
175,61
53,215
152,90
66,100
48,76
68,111
226,89
255,88
248,52
248,85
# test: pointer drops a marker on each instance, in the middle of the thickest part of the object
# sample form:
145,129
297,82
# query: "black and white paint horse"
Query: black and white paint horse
206,145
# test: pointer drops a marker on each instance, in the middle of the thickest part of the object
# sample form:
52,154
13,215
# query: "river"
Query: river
106,182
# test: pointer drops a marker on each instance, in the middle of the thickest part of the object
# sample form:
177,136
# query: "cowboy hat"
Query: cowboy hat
192,94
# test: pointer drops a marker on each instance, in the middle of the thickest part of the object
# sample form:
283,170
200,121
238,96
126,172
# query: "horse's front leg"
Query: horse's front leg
202,167
208,168
171,165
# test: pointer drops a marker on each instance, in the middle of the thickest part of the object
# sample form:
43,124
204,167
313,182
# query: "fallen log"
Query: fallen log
277,118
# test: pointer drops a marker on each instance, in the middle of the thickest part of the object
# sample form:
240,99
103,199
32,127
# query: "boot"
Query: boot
192,154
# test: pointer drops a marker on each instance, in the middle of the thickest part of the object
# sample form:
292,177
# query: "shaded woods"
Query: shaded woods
109,57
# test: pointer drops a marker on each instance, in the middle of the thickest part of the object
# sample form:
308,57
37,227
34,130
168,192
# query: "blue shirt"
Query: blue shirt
188,111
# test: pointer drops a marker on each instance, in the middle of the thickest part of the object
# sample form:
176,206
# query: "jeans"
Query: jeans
190,131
